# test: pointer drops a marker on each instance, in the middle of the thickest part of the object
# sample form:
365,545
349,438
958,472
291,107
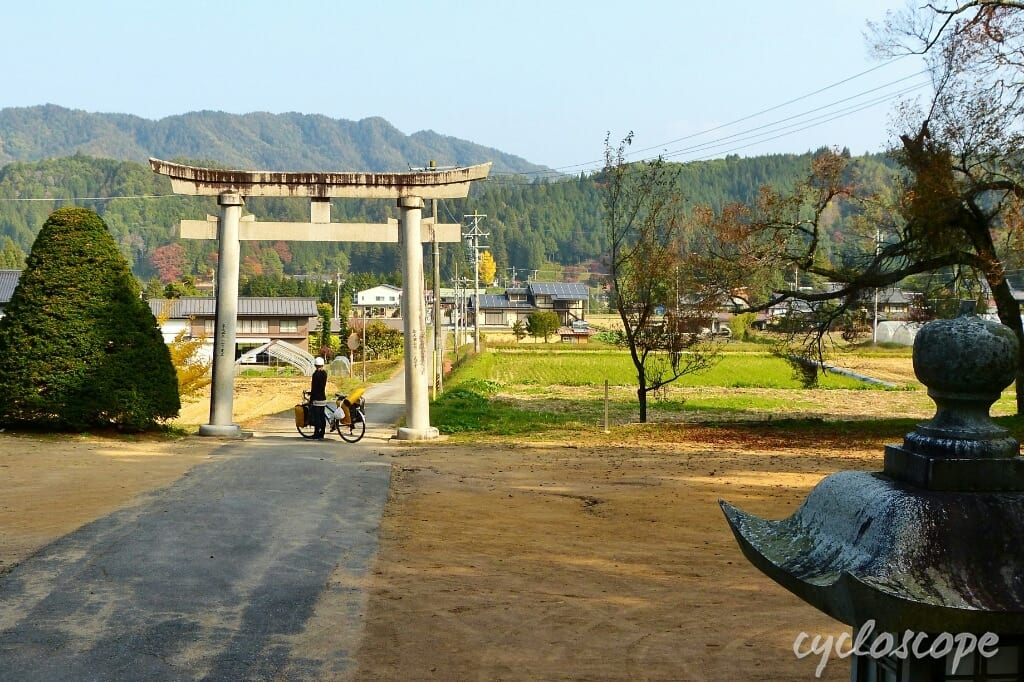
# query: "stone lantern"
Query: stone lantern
929,552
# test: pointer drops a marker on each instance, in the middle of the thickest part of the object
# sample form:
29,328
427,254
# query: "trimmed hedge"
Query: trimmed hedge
79,348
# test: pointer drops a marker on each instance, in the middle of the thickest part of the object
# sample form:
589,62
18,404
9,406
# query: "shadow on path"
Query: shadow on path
216,576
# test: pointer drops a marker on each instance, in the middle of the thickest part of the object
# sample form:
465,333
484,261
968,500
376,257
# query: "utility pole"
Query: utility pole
874,319
438,338
473,236
337,296
457,312
438,341
677,292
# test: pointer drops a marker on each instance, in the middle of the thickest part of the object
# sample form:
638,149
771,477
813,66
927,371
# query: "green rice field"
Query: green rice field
593,368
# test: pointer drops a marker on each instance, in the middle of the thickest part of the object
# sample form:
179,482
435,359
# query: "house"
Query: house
383,300
8,283
578,332
789,307
895,304
260,321
502,310
711,315
568,300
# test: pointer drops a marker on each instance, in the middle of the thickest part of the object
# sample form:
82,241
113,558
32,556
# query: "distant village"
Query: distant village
891,315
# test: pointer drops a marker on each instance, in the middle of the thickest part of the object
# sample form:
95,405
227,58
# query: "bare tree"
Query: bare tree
642,211
967,155
956,208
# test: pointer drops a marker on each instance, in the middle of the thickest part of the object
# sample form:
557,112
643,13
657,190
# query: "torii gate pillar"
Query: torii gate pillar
226,320
416,372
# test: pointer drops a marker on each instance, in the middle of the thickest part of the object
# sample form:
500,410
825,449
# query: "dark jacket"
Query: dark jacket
318,387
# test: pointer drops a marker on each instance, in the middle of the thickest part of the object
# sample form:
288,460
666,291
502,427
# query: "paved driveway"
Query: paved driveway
217,576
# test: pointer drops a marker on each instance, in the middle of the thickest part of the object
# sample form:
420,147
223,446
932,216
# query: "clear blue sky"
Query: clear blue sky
542,80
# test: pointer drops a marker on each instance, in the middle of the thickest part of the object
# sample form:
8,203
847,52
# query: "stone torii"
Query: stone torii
410,230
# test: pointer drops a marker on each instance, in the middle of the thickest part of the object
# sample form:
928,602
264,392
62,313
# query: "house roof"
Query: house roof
896,295
8,283
263,306
560,290
500,301
792,305
392,287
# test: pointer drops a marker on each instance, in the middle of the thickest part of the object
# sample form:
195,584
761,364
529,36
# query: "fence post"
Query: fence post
606,406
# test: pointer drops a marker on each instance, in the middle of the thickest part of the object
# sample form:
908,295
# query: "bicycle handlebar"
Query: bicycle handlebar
337,396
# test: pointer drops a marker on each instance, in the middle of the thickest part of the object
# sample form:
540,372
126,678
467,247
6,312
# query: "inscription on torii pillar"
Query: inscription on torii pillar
410,230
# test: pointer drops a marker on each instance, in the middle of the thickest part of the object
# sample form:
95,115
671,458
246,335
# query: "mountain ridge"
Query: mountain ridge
290,141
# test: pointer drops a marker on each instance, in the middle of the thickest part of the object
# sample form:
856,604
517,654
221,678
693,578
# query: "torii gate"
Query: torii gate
409,189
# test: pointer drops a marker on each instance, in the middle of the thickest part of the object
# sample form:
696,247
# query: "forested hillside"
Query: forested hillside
296,142
531,223
536,221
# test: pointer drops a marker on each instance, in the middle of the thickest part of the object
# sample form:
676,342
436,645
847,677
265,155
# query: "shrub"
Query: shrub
741,325
79,348
542,323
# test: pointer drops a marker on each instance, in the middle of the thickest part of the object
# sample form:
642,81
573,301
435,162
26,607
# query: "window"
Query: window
253,327
209,326
289,326
1003,667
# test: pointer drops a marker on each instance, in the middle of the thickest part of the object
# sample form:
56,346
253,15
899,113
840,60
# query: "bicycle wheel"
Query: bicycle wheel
308,430
353,433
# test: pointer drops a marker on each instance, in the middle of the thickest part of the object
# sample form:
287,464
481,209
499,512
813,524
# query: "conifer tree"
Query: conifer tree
79,348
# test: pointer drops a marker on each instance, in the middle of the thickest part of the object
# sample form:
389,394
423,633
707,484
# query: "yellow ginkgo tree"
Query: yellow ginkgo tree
192,369
488,268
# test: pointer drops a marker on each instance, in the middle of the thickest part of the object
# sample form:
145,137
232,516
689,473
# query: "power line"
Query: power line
596,164
821,118
793,128
127,196
793,101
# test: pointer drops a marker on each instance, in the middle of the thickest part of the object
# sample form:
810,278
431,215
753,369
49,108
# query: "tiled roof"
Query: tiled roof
8,283
896,296
268,306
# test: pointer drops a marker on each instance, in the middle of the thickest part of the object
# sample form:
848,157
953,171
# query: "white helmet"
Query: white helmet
319,362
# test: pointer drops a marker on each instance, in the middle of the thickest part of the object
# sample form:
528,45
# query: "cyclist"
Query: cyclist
318,398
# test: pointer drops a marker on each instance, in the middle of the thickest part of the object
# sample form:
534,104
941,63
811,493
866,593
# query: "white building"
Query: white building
383,300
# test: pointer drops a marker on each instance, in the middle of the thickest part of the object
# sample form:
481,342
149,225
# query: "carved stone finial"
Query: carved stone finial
965,363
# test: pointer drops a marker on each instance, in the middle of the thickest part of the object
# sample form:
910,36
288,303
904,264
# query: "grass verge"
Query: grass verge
550,396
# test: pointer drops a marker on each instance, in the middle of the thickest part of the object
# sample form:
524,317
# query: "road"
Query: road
217,576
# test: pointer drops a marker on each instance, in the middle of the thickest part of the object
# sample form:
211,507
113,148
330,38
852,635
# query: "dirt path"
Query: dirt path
589,562
601,560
